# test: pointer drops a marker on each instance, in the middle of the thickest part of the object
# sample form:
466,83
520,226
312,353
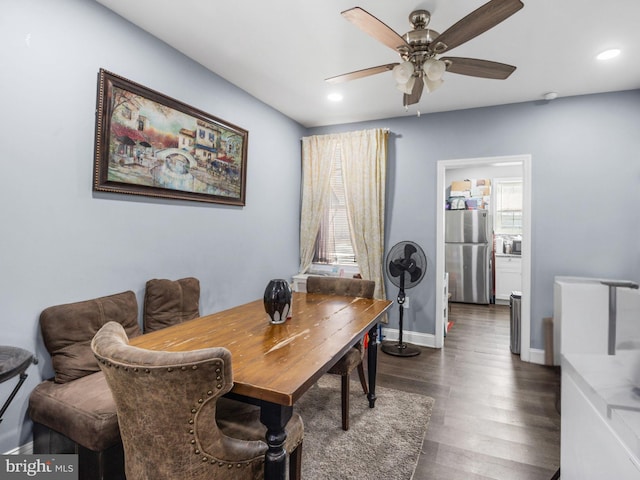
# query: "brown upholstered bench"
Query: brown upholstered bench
79,417
74,412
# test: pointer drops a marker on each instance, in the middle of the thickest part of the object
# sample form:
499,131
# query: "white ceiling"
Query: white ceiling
280,51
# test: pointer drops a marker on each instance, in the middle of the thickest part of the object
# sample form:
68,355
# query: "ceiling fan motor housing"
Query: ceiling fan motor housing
418,40
419,18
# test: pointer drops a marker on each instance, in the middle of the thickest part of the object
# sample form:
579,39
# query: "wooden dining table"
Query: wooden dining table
275,364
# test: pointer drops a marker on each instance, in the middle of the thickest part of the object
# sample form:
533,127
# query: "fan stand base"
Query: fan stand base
399,349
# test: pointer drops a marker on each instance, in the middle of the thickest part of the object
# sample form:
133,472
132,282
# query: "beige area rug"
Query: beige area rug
382,442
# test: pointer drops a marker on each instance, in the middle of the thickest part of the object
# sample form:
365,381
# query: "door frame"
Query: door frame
443,165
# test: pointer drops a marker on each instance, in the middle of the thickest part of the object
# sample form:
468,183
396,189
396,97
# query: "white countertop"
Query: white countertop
608,381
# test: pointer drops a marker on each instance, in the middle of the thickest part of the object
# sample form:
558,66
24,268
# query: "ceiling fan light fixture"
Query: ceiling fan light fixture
403,72
434,69
432,85
408,86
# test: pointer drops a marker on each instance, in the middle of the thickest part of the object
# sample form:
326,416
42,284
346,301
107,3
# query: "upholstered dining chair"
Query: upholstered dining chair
167,405
168,302
353,287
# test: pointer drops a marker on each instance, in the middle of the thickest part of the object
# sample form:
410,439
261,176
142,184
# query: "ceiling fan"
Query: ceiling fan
421,47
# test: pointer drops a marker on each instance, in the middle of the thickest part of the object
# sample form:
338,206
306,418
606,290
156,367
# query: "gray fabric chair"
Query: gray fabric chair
174,423
353,287
167,302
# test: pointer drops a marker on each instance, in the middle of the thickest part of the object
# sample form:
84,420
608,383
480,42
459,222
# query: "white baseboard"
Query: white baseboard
415,338
26,449
536,355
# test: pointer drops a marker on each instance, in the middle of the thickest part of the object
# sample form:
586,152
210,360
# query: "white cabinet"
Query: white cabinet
508,276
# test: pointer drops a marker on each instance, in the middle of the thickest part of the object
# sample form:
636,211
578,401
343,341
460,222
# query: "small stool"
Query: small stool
13,361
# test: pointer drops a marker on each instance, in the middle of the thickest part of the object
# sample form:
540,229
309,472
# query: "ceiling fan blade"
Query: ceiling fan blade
479,21
478,68
361,73
416,93
376,28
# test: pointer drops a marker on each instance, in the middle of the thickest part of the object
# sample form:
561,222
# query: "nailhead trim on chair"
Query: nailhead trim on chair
196,451
194,410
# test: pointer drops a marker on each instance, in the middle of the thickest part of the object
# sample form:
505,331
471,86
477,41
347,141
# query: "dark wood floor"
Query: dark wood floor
494,416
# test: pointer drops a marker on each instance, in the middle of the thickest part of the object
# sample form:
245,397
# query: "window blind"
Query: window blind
333,244
508,206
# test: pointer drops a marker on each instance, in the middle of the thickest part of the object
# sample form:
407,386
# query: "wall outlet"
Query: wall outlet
406,302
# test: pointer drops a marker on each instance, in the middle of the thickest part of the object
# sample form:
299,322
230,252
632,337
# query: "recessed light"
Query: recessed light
335,97
608,54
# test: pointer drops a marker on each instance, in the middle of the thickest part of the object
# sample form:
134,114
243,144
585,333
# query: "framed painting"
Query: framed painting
153,145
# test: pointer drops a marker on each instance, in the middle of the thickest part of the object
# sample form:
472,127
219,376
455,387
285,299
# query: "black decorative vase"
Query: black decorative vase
277,300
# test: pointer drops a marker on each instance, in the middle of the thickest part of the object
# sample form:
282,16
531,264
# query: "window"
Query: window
333,244
508,202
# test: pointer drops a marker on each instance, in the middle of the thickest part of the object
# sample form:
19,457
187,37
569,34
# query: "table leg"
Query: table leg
372,364
275,417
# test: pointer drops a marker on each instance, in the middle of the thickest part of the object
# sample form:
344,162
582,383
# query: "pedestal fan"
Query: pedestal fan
406,266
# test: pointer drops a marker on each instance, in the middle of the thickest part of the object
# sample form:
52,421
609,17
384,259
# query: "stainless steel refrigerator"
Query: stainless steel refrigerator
468,245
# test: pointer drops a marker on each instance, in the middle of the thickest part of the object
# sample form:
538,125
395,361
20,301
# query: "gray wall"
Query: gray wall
585,196
60,242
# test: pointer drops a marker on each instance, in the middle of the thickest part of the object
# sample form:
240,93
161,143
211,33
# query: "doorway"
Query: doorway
441,304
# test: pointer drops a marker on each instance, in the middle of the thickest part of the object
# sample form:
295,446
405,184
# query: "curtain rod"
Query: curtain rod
385,130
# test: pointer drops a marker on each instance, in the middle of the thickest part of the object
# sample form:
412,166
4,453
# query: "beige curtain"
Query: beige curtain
364,161
317,155
364,166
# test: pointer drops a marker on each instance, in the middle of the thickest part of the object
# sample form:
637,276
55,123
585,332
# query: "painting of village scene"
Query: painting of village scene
149,144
